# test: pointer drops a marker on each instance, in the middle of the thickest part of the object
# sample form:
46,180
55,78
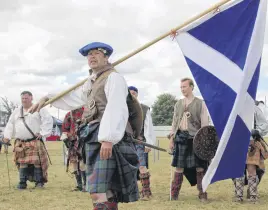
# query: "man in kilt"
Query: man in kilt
30,153
69,137
257,153
110,155
190,114
147,135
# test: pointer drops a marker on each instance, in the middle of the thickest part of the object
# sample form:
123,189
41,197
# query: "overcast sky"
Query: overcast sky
40,41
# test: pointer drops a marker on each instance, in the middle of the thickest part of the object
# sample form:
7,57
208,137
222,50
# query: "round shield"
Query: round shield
205,143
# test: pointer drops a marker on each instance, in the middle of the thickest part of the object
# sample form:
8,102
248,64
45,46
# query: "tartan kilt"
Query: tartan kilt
73,158
118,173
72,153
184,156
33,153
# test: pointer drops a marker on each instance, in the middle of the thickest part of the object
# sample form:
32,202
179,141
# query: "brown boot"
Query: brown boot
202,195
111,204
105,206
146,190
176,185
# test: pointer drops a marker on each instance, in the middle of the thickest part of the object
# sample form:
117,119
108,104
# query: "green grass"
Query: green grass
57,193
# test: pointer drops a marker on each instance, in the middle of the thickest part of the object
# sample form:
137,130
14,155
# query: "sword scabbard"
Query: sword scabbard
148,145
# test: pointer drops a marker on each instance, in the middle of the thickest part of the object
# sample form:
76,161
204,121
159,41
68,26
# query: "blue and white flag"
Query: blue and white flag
223,51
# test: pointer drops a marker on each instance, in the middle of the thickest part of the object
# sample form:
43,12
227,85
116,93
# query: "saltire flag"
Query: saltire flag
223,51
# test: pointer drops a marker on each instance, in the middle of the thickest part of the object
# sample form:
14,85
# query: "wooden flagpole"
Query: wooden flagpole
213,8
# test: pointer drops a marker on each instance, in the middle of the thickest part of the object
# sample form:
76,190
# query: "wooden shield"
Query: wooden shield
205,143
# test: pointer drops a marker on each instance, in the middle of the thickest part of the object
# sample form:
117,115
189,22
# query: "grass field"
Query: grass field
57,192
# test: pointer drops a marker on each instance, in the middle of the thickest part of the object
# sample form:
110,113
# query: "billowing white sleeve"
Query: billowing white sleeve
73,100
46,123
261,122
115,117
9,132
149,129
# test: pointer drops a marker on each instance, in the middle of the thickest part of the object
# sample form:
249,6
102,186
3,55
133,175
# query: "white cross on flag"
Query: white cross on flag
223,51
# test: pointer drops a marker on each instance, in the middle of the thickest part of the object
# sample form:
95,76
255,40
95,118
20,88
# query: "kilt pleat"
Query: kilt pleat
184,156
118,173
35,154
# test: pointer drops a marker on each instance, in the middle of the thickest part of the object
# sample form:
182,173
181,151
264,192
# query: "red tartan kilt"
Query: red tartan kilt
73,153
34,153
30,152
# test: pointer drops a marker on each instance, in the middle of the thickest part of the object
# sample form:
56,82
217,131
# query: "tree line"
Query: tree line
7,109
163,109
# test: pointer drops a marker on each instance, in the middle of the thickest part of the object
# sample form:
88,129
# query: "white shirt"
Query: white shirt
41,122
115,117
264,110
261,122
149,129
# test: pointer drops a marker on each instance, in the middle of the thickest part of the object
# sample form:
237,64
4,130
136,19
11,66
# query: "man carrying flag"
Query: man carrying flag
223,50
190,114
110,155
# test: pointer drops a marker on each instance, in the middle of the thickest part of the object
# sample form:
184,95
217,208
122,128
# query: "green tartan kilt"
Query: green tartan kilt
184,156
118,173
